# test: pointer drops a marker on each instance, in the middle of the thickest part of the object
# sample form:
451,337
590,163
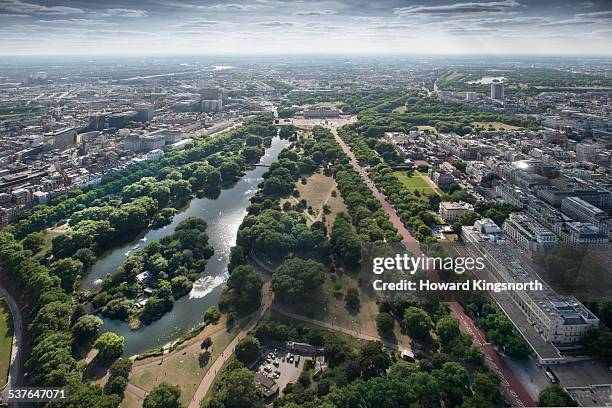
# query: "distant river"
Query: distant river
223,215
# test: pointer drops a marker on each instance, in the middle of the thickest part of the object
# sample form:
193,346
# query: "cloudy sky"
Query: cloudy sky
309,26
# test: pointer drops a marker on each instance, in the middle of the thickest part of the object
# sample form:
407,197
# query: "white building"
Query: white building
528,233
451,211
561,320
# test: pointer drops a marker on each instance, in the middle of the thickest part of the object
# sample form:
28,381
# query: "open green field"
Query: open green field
425,127
495,125
49,235
329,306
318,193
400,109
6,341
181,367
416,182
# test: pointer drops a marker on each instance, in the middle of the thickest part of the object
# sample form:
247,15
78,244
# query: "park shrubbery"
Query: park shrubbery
100,217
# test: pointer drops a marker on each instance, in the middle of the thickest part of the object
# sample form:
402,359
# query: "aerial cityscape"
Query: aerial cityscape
333,203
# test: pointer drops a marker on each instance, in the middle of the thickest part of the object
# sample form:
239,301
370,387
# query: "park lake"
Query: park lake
224,216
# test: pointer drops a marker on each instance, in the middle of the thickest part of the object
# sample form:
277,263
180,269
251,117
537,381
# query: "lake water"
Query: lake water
223,215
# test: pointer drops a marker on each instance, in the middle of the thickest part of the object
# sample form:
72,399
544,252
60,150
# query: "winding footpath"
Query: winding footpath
512,389
333,327
209,377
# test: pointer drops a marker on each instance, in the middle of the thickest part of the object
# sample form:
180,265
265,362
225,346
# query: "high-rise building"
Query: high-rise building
215,105
145,112
212,100
497,91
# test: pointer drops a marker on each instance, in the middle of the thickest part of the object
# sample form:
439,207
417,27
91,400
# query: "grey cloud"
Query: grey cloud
233,6
584,5
19,7
596,14
567,22
79,21
201,24
458,8
314,13
390,26
460,31
320,26
275,24
122,12
499,22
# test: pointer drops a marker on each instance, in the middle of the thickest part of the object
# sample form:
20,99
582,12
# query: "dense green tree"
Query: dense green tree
251,154
86,328
345,241
243,291
121,368
384,323
116,385
181,286
598,343
468,218
296,278
34,241
248,349
163,395
555,396
486,384
229,171
253,140
109,346
206,343
373,360
417,322
447,329
68,270
352,300
454,382
237,390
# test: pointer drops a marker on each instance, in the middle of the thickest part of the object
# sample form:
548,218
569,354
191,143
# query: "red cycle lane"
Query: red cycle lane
512,389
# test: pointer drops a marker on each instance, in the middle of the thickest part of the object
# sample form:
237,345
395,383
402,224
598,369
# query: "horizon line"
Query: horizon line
312,53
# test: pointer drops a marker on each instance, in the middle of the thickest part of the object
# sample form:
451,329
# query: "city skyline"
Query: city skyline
283,27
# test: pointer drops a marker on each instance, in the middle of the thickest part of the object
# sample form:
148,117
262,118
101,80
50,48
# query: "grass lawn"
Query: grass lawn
329,306
317,192
400,109
131,401
181,367
416,182
6,341
351,341
495,125
430,128
48,236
